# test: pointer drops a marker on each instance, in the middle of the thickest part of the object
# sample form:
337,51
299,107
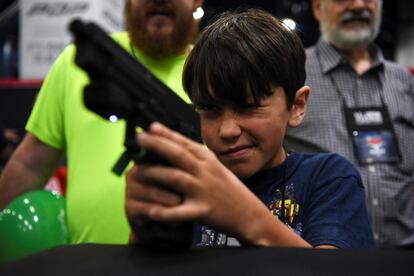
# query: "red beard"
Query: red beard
161,30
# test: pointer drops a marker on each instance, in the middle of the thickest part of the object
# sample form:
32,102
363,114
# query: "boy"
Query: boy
245,76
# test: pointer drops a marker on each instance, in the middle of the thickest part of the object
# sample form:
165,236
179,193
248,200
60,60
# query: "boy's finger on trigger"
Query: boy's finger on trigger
194,147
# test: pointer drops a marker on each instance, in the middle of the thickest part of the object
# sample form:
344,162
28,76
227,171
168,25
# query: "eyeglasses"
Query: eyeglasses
347,2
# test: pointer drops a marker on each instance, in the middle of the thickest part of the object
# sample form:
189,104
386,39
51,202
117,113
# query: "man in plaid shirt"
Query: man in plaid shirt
361,107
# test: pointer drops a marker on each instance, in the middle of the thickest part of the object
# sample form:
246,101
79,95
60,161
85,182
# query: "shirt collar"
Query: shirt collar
330,58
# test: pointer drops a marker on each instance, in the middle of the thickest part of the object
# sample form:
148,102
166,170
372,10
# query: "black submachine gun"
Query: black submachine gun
121,86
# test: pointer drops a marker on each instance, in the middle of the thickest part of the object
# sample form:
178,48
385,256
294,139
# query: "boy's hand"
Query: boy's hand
211,193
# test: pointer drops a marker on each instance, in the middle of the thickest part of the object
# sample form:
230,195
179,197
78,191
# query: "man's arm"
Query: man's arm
28,169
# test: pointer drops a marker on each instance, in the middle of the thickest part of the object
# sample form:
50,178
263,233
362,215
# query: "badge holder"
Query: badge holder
373,136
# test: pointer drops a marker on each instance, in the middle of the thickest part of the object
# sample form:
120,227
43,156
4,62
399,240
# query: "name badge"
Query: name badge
372,135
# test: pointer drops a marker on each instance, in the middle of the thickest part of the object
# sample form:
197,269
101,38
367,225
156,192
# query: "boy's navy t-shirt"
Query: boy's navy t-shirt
319,196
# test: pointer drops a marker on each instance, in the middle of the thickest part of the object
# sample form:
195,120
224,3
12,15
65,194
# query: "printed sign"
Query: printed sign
44,29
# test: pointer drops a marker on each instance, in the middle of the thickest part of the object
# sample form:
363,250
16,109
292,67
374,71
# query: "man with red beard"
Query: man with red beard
159,35
362,108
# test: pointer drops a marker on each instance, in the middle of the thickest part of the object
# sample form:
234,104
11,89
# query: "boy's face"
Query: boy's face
249,139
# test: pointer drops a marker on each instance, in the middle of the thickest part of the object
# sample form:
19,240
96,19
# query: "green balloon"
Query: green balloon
31,223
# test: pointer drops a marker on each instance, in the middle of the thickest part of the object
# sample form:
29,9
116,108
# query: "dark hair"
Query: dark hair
244,51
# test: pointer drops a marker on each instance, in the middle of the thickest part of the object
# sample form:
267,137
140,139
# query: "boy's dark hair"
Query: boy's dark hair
240,52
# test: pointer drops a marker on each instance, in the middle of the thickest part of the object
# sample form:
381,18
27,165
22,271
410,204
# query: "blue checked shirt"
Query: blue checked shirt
324,130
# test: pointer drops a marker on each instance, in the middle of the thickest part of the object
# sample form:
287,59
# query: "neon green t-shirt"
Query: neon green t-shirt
95,196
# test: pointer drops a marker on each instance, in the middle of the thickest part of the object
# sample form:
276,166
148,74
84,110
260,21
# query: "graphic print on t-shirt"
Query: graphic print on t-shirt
285,207
283,196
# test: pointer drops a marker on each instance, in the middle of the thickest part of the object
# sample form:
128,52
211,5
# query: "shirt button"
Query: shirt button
375,202
371,169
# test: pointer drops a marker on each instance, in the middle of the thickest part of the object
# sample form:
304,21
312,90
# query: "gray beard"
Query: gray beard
349,39
354,38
